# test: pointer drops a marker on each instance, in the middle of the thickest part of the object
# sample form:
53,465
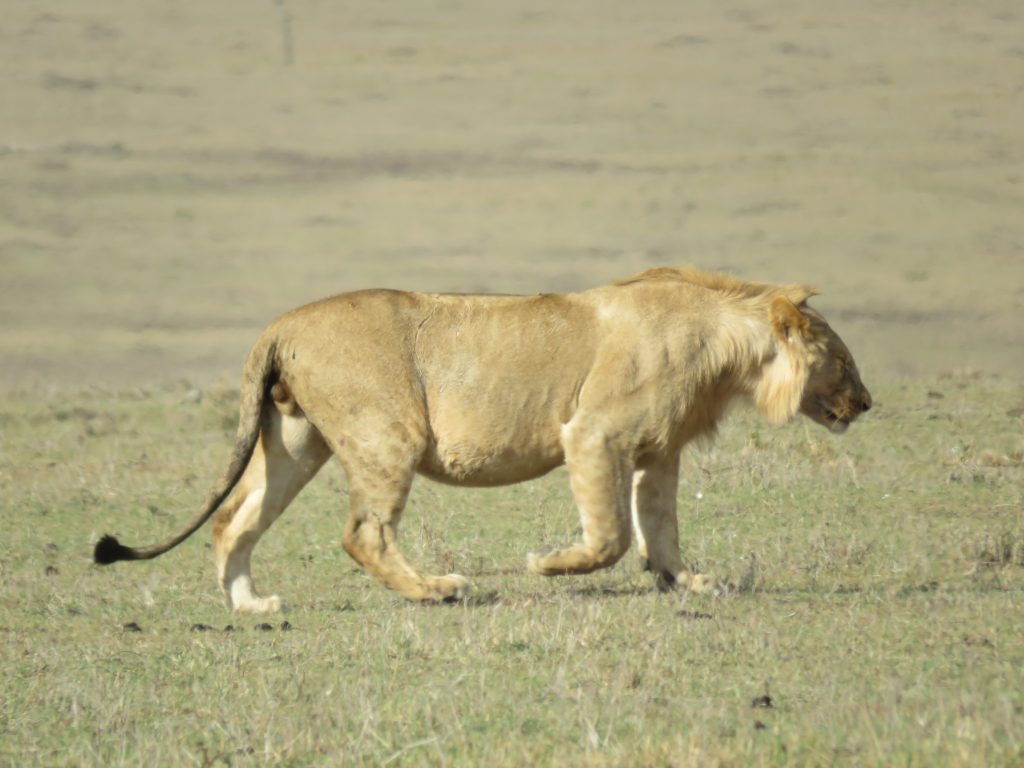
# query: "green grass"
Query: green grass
878,594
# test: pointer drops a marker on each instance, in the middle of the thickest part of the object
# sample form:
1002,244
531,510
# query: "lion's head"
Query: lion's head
813,371
834,395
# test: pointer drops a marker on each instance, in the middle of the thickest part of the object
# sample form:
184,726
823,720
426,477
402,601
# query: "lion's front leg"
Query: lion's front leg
600,477
655,486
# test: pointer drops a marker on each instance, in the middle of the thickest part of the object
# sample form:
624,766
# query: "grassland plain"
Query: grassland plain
877,602
174,174
168,183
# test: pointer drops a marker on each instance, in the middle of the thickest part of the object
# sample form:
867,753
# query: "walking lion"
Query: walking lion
481,390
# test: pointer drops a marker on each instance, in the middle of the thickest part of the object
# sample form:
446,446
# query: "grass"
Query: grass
877,604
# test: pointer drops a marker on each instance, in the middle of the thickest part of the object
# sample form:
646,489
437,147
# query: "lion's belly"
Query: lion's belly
481,451
466,465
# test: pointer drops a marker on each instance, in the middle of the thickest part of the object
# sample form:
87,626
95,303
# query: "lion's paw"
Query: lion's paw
699,583
533,561
271,604
704,584
540,562
452,588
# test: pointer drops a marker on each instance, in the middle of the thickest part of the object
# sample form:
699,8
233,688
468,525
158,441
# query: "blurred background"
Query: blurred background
173,175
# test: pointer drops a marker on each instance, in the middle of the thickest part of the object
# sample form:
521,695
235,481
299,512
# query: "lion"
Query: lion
487,390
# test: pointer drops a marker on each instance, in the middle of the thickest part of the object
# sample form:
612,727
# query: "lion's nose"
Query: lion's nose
865,402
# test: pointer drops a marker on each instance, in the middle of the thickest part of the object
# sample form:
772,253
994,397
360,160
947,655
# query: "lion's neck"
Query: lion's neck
750,362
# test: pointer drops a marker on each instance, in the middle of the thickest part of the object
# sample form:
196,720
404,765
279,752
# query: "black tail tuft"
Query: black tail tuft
110,550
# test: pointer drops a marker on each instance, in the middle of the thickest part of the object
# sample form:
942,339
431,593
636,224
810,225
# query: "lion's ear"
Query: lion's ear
799,294
788,322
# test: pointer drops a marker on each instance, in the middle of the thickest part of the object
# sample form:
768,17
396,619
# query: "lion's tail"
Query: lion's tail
256,381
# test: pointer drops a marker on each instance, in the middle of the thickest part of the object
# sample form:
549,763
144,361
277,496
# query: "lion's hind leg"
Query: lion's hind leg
289,453
380,471
379,478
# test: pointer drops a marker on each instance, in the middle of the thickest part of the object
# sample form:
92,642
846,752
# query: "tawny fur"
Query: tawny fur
489,390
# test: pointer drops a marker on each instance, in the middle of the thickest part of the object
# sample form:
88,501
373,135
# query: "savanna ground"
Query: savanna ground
172,176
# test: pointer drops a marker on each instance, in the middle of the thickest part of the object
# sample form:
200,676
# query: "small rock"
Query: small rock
759,726
131,626
977,640
694,615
